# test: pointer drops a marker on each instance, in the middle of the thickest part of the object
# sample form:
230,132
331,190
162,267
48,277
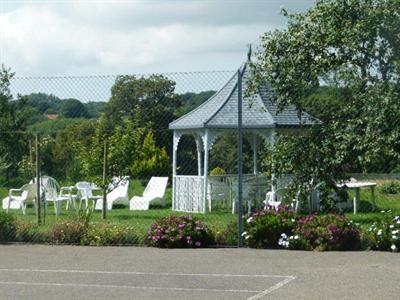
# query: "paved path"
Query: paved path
68,272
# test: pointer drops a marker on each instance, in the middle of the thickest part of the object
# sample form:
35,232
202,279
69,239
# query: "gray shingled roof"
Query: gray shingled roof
259,111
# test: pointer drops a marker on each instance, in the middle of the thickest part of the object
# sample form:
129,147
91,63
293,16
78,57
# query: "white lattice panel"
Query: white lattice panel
188,194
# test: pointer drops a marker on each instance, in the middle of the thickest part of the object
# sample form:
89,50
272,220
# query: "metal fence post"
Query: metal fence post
104,210
240,162
37,149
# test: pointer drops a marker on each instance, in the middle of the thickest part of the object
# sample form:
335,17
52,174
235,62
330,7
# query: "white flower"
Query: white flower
293,220
394,237
283,235
398,222
244,233
286,244
395,231
393,247
291,237
247,237
382,211
391,226
296,237
249,220
396,218
379,232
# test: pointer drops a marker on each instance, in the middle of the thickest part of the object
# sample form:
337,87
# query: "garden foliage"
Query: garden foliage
69,231
325,233
8,227
264,228
385,235
105,234
391,188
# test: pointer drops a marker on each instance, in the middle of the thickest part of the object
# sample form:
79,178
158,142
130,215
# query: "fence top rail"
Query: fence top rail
188,176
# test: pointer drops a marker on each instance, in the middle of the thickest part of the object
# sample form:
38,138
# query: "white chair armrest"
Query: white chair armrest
65,191
10,193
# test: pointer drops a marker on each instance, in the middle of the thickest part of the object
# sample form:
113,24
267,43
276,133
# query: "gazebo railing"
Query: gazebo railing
188,193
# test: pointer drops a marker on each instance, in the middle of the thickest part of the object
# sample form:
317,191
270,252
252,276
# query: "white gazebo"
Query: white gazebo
260,119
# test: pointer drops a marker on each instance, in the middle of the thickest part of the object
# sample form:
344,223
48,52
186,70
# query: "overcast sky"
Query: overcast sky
46,38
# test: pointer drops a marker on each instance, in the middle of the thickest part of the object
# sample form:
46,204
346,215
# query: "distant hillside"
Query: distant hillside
42,104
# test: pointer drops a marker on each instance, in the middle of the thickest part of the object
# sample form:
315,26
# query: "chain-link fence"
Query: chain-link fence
148,146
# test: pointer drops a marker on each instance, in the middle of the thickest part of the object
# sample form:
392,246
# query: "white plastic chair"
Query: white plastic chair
278,198
155,189
17,198
119,193
271,200
84,192
65,195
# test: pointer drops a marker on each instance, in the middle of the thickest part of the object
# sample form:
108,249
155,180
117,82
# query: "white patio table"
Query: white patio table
356,186
86,190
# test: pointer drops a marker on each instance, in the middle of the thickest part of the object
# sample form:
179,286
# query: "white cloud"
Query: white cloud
64,38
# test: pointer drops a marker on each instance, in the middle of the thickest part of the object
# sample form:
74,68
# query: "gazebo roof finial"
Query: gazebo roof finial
249,53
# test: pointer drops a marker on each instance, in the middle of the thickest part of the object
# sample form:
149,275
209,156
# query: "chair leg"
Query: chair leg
8,204
23,208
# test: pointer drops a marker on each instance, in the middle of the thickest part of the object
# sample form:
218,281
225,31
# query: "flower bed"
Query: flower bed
270,228
325,232
179,232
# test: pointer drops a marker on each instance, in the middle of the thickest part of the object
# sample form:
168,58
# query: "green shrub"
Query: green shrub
263,228
217,171
69,231
390,188
385,234
8,227
324,232
179,232
227,236
29,233
104,234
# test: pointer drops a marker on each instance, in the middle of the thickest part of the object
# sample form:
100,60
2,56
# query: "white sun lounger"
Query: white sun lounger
155,189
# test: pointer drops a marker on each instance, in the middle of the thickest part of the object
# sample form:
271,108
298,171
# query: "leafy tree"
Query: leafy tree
190,101
67,144
147,102
95,109
12,124
43,102
352,46
131,152
53,127
151,160
73,108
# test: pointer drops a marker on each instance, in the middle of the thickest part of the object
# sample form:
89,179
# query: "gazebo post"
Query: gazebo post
199,150
255,145
174,157
206,145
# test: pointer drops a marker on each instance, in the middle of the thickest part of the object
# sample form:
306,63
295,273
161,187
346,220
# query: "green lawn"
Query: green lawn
121,214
